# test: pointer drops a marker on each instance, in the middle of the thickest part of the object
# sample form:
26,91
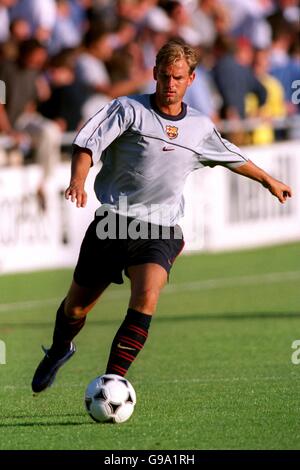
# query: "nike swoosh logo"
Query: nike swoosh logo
125,347
167,149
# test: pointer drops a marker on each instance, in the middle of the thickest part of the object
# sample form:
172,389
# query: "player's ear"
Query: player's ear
155,73
192,78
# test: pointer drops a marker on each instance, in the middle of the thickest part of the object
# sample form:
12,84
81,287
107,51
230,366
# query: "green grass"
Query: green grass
216,372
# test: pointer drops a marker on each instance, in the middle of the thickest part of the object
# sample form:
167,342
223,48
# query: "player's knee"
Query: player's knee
75,312
145,300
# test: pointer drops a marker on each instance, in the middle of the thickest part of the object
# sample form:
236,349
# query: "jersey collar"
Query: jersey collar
169,117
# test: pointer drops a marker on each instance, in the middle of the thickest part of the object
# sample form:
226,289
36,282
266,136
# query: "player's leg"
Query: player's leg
148,264
95,270
91,277
71,315
70,319
147,280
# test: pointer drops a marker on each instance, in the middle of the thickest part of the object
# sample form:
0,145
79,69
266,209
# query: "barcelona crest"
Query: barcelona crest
172,132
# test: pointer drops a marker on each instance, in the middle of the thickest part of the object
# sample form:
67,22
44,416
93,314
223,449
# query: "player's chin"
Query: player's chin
170,98
166,101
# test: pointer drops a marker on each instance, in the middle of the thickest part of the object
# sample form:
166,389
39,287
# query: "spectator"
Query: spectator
248,19
235,79
64,105
40,15
79,13
291,12
92,71
19,32
133,10
19,117
282,66
5,5
181,19
65,34
103,12
157,29
203,94
274,106
210,19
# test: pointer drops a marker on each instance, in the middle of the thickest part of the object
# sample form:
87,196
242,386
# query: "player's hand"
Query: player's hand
279,190
76,193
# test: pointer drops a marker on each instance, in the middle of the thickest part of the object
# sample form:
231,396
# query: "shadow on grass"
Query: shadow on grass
172,318
65,415
34,420
57,423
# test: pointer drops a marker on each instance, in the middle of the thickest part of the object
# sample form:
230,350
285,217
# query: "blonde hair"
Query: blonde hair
175,50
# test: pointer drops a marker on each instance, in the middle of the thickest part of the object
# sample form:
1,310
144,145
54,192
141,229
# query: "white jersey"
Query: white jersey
147,156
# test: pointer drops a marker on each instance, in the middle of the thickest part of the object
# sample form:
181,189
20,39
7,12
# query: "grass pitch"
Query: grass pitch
216,372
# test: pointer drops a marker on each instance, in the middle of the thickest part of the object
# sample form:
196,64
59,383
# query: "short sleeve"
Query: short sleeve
103,128
219,151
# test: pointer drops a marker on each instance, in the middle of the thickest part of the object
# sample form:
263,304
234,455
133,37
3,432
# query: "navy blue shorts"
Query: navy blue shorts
104,260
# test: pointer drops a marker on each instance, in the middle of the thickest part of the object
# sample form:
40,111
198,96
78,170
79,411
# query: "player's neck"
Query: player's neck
172,109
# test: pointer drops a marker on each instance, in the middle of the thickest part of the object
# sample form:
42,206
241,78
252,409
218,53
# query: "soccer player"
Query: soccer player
148,145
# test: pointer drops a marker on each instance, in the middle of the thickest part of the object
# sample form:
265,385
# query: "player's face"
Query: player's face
172,82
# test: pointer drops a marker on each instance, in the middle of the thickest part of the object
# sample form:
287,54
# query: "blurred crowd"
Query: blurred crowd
61,60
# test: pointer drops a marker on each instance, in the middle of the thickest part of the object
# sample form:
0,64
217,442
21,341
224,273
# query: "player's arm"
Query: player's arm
81,164
277,188
219,151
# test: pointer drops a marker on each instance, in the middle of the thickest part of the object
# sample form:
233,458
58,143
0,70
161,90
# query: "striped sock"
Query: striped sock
129,340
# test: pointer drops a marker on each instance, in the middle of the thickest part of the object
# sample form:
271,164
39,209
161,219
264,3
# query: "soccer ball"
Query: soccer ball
110,398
